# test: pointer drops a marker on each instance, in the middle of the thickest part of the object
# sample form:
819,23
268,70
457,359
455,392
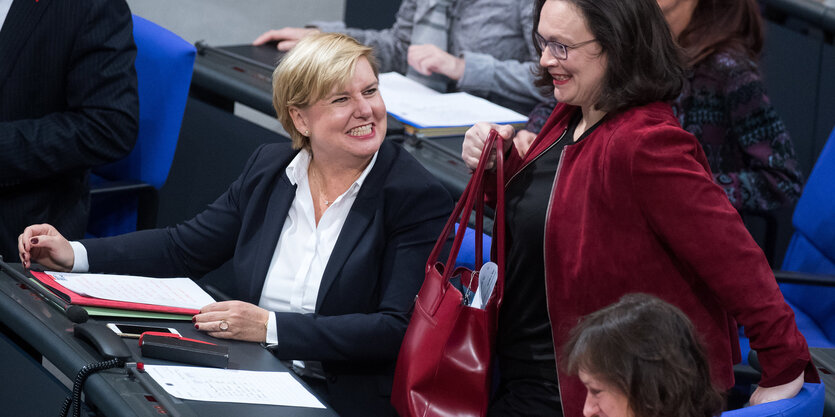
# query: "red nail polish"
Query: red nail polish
194,319
34,240
197,326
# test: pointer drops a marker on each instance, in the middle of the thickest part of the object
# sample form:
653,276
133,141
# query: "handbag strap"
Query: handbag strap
499,222
473,195
466,200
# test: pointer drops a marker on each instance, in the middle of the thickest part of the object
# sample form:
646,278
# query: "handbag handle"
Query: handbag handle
474,192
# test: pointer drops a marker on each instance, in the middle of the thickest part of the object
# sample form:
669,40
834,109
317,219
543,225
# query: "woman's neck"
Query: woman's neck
332,179
590,118
337,171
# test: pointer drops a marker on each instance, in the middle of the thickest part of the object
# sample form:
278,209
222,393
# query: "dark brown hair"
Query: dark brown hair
647,349
720,25
644,65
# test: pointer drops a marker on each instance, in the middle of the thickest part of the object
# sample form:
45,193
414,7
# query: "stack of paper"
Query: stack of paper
430,113
126,295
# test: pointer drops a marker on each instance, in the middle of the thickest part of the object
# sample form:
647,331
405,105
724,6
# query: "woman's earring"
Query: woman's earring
306,132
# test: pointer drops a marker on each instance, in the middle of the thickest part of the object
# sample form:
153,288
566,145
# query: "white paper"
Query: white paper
232,386
486,281
169,292
420,106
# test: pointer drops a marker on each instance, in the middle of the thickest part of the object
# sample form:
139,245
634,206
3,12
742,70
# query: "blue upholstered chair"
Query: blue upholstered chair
807,277
124,193
807,403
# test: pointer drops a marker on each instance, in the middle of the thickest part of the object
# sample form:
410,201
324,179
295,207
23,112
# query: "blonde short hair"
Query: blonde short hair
316,66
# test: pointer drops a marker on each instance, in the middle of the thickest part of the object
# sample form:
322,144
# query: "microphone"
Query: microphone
73,312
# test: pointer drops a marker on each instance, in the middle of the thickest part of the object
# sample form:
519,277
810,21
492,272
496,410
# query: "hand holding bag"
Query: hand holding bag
443,368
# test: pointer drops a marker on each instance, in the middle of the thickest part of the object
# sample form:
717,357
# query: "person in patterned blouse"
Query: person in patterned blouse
724,104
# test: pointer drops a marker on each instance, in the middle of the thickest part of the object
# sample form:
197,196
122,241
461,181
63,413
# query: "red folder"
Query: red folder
84,300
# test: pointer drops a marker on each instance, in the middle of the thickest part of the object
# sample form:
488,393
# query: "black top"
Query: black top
524,342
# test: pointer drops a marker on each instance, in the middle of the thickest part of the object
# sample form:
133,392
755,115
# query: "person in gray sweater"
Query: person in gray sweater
483,47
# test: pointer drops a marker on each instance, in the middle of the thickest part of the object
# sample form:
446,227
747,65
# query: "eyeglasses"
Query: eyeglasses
558,50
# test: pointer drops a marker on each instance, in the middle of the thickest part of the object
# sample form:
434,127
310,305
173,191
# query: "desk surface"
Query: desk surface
112,391
227,73
824,360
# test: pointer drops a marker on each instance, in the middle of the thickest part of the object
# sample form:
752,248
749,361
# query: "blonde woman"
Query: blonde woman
328,237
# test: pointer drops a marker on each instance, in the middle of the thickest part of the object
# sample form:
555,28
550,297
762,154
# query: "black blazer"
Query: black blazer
369,284
68,102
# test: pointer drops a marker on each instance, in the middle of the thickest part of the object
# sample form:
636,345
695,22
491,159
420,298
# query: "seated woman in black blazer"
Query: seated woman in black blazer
328,239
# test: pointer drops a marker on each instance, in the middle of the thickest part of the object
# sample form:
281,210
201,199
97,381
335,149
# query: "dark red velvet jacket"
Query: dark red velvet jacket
634,209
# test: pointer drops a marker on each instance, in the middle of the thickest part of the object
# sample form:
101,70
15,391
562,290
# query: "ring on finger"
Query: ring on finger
224,326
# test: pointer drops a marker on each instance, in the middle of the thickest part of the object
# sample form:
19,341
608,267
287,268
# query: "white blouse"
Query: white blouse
303,250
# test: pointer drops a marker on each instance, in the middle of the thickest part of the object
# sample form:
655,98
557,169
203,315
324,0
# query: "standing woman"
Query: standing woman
328,239
724,104
631,205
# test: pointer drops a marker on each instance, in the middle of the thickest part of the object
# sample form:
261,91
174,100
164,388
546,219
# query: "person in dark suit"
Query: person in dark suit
329,240
68,102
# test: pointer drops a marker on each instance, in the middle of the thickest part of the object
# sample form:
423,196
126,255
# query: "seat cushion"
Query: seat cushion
807,403
817,302
812,331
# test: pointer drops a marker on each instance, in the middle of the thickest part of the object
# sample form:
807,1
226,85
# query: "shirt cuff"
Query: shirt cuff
272,332
80,262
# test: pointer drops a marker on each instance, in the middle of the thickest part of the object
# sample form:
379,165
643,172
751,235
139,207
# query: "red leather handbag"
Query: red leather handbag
444,364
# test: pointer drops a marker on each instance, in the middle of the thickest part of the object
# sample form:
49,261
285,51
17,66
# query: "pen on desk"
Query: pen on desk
136,370
75,313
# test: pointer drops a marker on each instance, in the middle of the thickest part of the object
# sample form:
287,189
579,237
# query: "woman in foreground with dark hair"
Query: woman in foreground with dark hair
631,205
641,357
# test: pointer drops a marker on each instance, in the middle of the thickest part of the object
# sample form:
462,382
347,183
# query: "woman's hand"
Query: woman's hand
474,143
243,321
429,59
287,38
523,141
780,392
43,244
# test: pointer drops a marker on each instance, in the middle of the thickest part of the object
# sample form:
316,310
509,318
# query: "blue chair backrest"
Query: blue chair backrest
164,64
807,403
812,248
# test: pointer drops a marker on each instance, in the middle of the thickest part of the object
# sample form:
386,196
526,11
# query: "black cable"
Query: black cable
78,384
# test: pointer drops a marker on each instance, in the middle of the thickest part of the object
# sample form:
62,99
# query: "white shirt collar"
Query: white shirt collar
5,5
297,169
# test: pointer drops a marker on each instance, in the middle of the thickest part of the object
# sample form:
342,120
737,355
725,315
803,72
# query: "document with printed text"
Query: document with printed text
169,292
232,385
417,105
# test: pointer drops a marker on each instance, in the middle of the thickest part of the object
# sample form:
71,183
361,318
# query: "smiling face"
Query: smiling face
578,79
347,126
603,399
